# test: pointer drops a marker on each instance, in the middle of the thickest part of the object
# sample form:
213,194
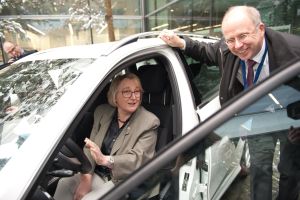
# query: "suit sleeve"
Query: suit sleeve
204,52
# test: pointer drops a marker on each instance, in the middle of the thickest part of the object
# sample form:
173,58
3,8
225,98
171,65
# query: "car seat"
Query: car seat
157,99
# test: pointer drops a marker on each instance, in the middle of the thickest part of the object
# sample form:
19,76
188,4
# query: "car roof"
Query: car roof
76,51
102,49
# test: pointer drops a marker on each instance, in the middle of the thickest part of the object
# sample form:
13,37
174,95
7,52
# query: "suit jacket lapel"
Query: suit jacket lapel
120,139
104,124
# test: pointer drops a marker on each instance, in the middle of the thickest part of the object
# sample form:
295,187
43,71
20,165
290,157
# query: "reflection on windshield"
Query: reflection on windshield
27,92
267,114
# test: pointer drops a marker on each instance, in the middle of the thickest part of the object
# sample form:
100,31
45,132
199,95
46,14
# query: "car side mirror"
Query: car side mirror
293,110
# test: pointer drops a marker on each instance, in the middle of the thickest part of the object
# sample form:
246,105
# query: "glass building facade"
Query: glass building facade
46,24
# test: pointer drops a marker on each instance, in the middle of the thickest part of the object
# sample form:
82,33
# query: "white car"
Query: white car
47,101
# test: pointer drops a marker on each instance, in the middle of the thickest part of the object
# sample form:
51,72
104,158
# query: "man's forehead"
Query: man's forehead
9,46
237,26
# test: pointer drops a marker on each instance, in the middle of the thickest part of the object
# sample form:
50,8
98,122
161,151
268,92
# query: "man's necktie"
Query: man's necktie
250,73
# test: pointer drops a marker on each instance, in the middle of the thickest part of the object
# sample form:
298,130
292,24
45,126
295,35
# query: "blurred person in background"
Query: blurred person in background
15,52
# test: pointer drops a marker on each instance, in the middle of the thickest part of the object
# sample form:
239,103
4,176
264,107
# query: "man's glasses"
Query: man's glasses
128,93
10,51
242,38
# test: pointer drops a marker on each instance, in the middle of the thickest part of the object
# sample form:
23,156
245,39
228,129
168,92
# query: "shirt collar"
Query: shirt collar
260,54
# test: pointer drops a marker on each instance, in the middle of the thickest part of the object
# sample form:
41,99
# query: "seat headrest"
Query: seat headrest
153,78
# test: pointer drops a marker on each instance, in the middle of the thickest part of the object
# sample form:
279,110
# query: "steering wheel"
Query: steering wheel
70,160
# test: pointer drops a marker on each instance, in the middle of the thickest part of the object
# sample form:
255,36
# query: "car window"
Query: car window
205,78
28,90
267,129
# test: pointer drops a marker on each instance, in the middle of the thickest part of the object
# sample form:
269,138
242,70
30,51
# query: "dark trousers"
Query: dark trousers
289,187
289,168
261,149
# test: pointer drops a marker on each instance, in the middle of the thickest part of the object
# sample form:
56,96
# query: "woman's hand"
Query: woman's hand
84,186
98,156
95,151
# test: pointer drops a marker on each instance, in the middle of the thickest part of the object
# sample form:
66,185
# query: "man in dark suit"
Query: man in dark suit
245,38
15,52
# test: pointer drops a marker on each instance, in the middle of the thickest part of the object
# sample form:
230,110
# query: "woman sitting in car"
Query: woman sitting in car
122,139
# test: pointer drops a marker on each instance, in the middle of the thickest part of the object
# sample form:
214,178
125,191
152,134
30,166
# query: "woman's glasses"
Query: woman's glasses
128,93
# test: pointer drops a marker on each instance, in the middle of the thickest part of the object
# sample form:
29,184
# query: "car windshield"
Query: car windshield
28,90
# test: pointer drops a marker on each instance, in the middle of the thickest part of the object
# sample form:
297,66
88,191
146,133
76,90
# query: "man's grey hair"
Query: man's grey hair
250,11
